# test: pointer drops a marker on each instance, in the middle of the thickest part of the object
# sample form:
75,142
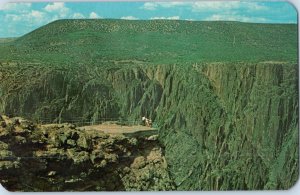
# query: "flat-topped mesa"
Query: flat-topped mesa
221,107
96,41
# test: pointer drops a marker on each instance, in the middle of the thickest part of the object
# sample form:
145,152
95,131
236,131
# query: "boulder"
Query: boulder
78,157
84,143
138,163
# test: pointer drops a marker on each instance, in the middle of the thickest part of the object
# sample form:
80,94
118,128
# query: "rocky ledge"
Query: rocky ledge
62,157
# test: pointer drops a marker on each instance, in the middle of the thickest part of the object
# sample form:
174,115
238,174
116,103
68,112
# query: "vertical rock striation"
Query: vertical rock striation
233,127
224,126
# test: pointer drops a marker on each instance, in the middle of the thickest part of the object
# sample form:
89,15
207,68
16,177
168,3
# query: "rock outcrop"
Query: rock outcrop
226,126
224,96
61,157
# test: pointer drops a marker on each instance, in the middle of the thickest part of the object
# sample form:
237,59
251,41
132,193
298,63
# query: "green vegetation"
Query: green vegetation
7,40
223,94
98,41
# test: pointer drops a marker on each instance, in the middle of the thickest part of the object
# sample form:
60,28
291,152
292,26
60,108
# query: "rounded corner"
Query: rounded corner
296,185
4,189
292,4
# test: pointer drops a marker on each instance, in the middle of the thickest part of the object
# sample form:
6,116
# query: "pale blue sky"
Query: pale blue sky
17,19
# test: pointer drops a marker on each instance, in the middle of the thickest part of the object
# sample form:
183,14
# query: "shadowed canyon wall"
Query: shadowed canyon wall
223,126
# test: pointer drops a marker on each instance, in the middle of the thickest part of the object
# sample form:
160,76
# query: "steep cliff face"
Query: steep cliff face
234,127
223,126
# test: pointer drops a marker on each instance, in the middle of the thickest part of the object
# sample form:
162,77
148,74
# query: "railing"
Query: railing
86,122
79,121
